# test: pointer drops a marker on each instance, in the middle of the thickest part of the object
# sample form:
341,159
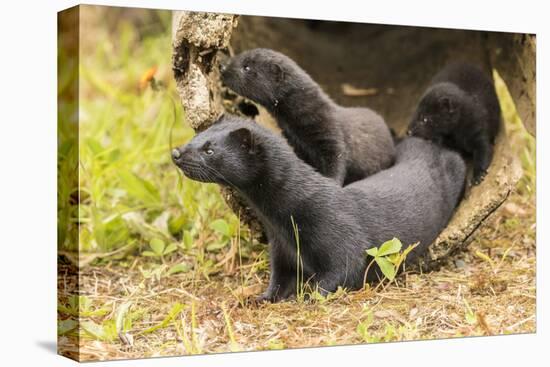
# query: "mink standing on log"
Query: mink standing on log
413,201
344,143
460,110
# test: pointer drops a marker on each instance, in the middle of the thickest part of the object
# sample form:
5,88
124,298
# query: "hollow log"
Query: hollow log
395,62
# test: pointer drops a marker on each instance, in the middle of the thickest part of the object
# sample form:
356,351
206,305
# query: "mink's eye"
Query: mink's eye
246,68
425,120
206,149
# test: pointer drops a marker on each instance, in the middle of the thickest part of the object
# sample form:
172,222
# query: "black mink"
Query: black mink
460,110
344,143
413,201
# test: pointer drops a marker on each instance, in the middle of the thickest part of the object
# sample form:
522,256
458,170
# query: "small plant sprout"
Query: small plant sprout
81,306
388,257
226,232
159,249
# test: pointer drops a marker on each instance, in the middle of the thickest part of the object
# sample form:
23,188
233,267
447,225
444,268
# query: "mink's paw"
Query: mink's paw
478,177
263,298
267,297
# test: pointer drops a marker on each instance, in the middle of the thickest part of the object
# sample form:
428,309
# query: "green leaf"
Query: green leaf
157,245
179,268
94,146
175,224
387,268
109,330
170,248
470,315
93,329
84,303
187,240
120,316
373,251
216,246
98,312
111,232
176,309
221,226
66,326
149,254
390,247
395,259
74,301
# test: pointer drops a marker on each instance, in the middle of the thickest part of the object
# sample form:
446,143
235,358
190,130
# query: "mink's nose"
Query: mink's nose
176,154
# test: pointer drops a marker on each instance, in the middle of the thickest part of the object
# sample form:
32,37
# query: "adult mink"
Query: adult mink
344,143
460,109
413,200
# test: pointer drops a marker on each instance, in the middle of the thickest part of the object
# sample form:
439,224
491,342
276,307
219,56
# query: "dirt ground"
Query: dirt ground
489,289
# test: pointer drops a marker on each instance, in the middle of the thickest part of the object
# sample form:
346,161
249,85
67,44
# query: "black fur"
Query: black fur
460,109
413,200
343,143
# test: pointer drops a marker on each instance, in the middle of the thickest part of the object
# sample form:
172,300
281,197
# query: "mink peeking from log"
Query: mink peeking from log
460,110
344,143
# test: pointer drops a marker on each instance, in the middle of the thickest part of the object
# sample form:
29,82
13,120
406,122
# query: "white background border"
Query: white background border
28,183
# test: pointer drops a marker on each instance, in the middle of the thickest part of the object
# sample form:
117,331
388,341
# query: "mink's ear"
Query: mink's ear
447,104
244,138
277,71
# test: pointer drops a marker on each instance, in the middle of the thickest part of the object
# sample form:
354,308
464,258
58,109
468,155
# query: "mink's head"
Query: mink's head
261,74
438,113
226,153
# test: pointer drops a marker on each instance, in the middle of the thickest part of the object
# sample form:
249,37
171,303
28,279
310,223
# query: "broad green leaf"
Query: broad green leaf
170,248
373,251
65,326
395,259
179,268
157,245
221,226
390,247
386,267
95,330
216,246
149,254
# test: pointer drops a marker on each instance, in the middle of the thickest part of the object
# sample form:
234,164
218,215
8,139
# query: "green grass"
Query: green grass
131,194
523,143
